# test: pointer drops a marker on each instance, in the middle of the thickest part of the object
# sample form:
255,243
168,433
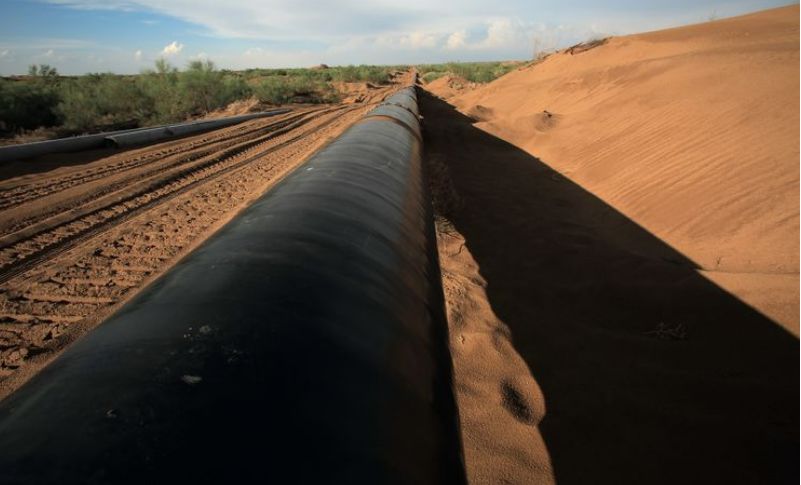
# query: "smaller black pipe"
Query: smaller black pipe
152,135
123,137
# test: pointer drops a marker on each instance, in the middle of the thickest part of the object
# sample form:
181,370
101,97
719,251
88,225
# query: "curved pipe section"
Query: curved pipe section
123,138
303,343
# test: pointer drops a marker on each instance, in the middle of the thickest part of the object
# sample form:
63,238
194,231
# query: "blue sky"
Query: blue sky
125,36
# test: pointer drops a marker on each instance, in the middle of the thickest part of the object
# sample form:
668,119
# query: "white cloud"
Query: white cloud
410,41
313,20
338,21
502,37
49,53
172,49
456,40
291,33
138,55
98,5
503,33
308,32
419,40
253,51
4,53
261,57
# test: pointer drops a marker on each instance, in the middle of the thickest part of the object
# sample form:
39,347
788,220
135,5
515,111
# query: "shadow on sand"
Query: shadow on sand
52,161
710,396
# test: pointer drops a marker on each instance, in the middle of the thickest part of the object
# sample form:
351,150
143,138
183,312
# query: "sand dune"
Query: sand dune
611,221
690,132
450,85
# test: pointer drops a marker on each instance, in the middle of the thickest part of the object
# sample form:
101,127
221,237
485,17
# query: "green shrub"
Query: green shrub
234,88
432,76
160,88
479,72
273,90
199,87
202,88
27,105
42,70
162,94
283,89
372,74
100,100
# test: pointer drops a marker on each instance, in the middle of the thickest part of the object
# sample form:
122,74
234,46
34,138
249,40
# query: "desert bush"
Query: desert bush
162,94
98,100
372,74
234,88
273,90
312,75
478,72
202,88
27,105
42,70
160,87
199,87
284,89
432,76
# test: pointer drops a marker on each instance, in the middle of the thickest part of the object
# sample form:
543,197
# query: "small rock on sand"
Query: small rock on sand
191,380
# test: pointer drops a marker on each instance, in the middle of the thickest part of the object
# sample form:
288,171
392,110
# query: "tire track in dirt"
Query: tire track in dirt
25,192
26,248
119,174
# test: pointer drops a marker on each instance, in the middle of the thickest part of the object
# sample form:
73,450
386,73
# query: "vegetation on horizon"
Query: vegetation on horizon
164,94
65,105
477,72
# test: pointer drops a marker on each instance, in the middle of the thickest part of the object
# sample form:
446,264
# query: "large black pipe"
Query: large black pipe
303,343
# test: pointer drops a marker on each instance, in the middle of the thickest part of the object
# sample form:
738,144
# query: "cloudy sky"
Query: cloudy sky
125,36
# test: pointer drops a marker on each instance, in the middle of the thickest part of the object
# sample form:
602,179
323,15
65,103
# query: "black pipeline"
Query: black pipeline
303,343
125,138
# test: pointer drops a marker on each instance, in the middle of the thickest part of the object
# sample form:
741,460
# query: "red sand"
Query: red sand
614,217
690,132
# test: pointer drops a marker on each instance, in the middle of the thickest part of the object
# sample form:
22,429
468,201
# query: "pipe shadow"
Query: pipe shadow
650,372
52,161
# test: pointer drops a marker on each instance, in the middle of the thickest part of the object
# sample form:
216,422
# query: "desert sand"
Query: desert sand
619,244
692,133
449,86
